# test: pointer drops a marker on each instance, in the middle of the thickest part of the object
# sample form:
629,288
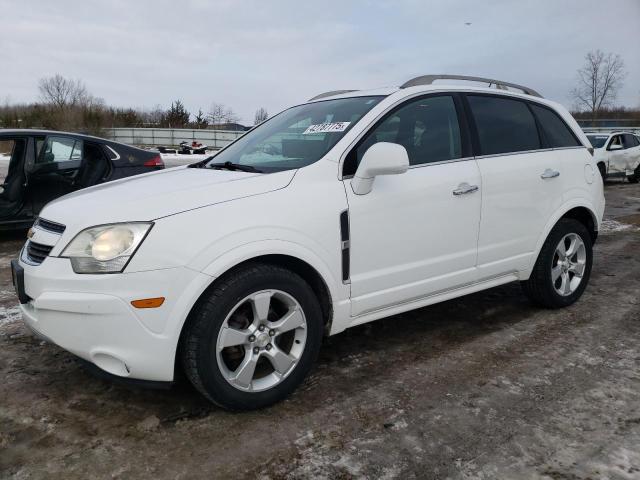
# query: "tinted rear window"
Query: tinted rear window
556,133
503,125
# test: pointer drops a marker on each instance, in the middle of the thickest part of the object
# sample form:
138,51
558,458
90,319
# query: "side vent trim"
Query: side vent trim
345,244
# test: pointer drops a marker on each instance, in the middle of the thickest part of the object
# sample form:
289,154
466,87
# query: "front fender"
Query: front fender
254,249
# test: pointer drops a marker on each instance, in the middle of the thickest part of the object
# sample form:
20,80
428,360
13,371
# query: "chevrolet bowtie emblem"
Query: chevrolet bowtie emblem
30,233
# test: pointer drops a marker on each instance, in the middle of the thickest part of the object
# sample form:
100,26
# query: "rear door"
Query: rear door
53,172
522,182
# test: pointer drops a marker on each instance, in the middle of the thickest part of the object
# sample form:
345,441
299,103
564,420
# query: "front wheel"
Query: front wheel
563,268
253,338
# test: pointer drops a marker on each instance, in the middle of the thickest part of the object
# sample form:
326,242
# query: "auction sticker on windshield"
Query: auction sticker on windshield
326,128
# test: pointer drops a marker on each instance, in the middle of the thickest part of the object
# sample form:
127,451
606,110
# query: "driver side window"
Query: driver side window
615,142
426,127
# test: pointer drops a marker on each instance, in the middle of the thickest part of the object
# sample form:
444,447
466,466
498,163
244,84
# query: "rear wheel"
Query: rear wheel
253,338
563,268
635,178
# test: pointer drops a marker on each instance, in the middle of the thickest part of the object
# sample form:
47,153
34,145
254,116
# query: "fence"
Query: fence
219,138
171,136
635,130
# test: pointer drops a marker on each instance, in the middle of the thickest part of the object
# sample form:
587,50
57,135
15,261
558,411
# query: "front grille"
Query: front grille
49,225
36,252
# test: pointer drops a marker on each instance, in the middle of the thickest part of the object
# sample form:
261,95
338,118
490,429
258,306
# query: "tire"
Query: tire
603,171
230,314
635,178
541,287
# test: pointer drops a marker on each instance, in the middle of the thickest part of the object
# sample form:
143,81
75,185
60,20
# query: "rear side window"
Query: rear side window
555,131
503,125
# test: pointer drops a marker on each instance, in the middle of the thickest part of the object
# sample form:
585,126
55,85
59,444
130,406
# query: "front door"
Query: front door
415,234
617,163
13,152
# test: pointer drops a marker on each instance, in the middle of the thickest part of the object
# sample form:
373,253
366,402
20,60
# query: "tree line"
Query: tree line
66,104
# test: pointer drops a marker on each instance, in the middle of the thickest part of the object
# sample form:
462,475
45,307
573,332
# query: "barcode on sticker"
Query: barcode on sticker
326,128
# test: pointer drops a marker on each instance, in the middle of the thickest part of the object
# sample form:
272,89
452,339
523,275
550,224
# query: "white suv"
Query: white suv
617,155
351,207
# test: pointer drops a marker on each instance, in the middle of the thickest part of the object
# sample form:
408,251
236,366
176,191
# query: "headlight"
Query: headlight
105,249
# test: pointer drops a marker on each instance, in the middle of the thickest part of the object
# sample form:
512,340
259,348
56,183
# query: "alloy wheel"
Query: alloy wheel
569,263
261,340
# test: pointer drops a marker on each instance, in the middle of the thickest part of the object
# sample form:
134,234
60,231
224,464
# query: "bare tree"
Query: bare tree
219,113
63,92
599,81
261,116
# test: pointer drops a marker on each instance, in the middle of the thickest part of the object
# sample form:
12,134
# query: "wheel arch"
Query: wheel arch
586,217
286,254
581,211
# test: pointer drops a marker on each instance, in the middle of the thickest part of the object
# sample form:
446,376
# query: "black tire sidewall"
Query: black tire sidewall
603,171
213,313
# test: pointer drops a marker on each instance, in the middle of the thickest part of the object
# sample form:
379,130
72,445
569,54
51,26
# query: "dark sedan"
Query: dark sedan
37,166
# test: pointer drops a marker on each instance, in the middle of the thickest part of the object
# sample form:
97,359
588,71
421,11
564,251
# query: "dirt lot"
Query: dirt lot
481,387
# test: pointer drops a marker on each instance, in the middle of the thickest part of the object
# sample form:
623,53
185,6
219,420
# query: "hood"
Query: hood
159,194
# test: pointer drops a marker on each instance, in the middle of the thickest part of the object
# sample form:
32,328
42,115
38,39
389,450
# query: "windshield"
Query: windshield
296,137
597,141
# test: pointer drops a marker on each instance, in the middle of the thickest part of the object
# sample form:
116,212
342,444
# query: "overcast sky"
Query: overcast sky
277,53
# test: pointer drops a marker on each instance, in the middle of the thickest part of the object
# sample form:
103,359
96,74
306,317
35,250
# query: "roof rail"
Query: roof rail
429,79
330,94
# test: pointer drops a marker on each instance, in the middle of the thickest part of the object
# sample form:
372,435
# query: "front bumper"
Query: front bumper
92,317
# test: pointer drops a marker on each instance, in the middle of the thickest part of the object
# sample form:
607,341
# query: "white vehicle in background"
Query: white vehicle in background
351,207
617,154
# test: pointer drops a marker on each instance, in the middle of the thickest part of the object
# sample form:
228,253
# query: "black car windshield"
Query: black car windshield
296,137
597,141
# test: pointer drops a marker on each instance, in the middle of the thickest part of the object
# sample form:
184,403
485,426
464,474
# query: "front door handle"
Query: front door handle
548,173
465,188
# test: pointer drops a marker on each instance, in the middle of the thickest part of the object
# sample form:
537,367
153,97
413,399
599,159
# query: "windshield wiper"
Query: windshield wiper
200,163
233,167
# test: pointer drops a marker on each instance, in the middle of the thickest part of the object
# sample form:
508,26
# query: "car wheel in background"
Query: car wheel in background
253,338
603,171
563,267
635,178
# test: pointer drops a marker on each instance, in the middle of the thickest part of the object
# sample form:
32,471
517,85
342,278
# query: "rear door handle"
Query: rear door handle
548,173
465,188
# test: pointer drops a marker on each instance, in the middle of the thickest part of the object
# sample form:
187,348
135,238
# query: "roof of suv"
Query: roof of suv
608,134
426,83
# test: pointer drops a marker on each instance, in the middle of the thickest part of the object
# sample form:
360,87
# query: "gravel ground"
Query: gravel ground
485,386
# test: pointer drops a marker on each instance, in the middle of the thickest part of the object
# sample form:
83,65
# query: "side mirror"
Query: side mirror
382,158
615,147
